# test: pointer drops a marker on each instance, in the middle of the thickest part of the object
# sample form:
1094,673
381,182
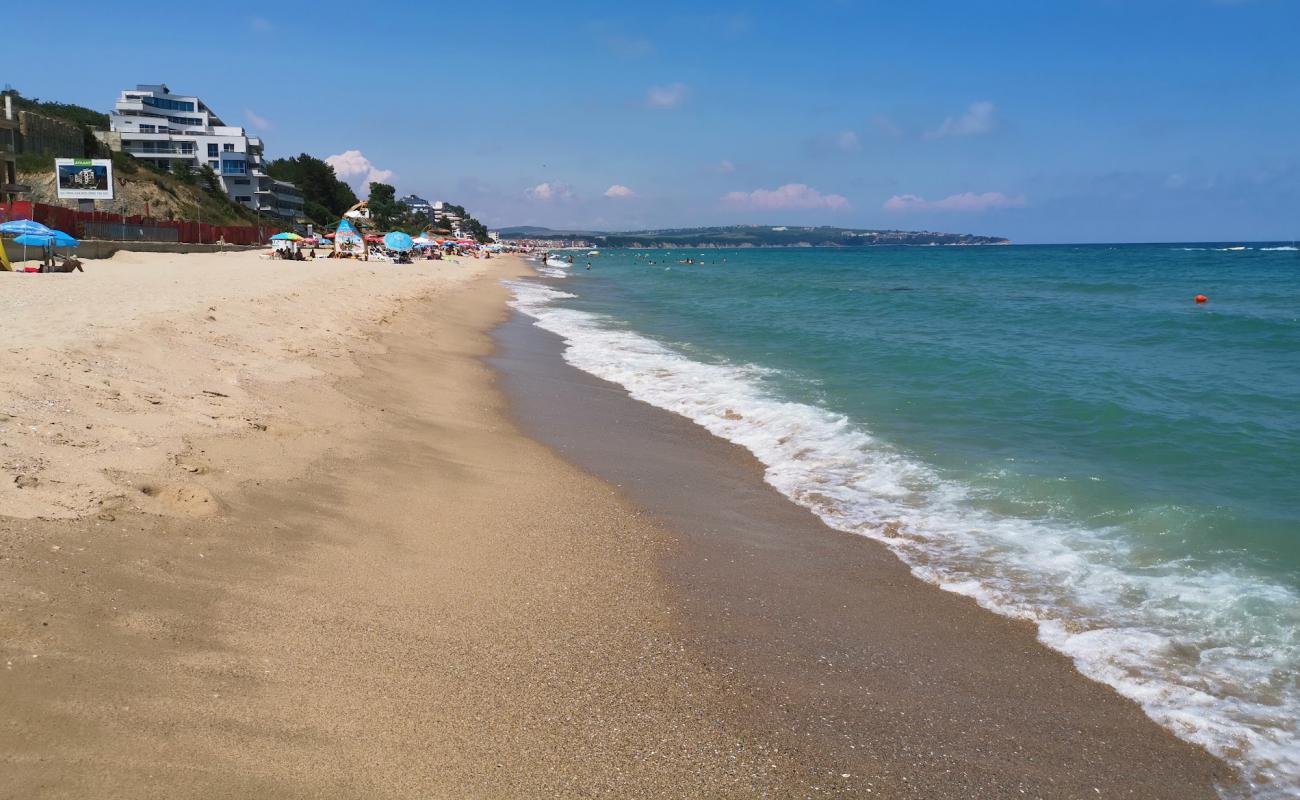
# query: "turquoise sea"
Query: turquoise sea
1060,432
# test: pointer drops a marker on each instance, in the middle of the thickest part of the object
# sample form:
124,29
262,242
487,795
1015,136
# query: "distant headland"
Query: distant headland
746,236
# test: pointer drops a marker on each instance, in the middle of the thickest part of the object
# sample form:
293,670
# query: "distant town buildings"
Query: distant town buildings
440,214
444,217
157,126
418,205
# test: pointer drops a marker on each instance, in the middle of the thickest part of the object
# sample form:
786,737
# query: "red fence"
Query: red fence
135,228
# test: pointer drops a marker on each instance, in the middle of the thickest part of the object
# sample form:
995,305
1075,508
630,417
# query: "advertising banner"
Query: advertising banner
84,178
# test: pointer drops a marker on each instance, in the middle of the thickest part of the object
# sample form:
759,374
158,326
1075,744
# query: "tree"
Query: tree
181,170
208,180
385,211
468,225
325,197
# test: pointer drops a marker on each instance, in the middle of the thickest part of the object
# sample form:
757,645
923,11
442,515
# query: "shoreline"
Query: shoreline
738,560
402,593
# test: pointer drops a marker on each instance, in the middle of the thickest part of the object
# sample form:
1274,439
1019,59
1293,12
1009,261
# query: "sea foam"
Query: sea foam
1211,655
552,267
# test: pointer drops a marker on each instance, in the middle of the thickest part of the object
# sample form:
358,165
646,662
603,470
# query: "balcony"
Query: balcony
233,163
158,151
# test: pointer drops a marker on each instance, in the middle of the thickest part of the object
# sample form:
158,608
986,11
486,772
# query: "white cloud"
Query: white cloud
979,119
619,190
968,201
791,195
546,192
723,167
670,96
355,169
257,121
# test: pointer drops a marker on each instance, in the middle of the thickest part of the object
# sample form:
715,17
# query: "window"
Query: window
186,148
212,150
146,128
213,164
241,181
228,148
185,120
169,104
243,199
234,168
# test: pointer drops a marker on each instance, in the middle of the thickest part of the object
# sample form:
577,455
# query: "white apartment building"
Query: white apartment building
448,218
157,126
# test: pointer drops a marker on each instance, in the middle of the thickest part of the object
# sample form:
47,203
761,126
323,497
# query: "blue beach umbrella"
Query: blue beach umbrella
55,238
398,241
287,236
24,226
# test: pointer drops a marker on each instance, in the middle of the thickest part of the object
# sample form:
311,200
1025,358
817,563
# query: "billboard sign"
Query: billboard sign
84,178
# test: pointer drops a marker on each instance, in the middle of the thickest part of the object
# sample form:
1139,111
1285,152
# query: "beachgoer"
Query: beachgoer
66,264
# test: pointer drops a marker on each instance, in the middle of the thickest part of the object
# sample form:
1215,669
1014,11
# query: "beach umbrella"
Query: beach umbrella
398,241
24,226
422,240
374,238
50,238
448,243
287,236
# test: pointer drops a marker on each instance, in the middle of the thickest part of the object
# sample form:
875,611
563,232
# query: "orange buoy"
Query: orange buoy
1200,298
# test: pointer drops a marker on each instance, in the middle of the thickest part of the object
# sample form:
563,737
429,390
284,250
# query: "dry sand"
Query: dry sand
437,607
107,372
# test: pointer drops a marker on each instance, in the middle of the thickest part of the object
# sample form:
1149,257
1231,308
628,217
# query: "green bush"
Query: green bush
181,171
35,162
125,163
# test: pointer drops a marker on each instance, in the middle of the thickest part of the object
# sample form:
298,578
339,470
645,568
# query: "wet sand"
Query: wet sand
875,682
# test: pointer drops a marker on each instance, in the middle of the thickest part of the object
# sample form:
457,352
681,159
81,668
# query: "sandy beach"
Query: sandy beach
280,530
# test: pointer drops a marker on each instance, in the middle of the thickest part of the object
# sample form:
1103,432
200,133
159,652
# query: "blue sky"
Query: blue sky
1045,121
